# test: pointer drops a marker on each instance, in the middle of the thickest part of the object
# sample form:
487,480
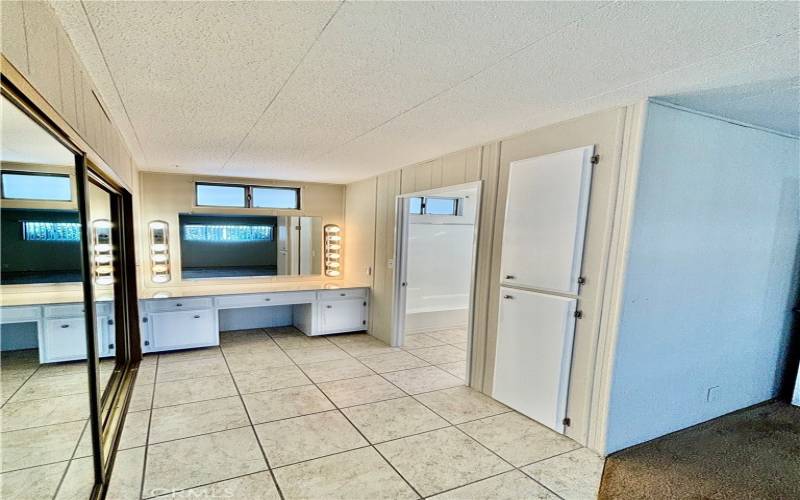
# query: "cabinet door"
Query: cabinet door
181,330
64,339
343,315
106,336
534,354
545,220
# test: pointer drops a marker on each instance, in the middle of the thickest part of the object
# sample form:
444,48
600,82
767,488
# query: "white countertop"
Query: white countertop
237,289
64,294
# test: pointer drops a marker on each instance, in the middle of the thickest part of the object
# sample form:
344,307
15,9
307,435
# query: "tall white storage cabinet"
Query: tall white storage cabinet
545,224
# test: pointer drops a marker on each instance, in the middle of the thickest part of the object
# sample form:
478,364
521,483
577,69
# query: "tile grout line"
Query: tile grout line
149,423
72,458
253,428
45,425
508,462
513,467
474,439
369,443
20,387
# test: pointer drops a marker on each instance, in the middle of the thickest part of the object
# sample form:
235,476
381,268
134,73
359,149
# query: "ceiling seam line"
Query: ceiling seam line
470,77
715,56
114,82
696,63
283,85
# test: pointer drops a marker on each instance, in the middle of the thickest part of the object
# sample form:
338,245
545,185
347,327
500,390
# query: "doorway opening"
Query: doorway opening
435,255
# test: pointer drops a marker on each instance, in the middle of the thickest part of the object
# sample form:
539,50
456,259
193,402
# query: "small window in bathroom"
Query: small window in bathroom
441,206
415,206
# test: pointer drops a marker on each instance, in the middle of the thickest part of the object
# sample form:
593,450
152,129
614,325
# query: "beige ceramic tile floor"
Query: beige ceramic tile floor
45,449
342,416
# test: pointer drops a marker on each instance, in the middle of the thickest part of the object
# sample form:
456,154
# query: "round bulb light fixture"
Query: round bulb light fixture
333,246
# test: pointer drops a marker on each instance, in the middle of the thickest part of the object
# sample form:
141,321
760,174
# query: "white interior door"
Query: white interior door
545,220
534,354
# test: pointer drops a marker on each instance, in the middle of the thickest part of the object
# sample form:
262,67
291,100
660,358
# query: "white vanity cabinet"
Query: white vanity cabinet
185,323
62,336
178,324
337,316
63,339
342,310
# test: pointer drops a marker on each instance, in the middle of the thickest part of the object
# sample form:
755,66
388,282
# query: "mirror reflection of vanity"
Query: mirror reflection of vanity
214,246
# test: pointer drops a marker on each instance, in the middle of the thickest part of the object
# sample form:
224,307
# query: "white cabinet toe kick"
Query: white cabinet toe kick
170,323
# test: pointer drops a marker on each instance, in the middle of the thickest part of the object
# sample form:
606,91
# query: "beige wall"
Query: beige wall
489,164
359,234
164,196
35,43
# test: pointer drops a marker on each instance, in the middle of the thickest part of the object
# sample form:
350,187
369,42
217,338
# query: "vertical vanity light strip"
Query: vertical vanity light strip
159,252
333,250
102,252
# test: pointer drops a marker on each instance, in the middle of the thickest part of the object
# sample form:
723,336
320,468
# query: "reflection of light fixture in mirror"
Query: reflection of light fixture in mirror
159,251
102,252
333,245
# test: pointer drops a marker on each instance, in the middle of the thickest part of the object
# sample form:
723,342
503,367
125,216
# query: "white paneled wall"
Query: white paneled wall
489,164
34,41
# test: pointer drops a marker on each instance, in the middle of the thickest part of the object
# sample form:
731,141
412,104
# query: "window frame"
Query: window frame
253,187
245,196
248,195
457,206
40,174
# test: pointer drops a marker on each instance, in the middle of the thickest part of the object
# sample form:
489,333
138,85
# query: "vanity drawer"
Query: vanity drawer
265,299
64,311
20,314
348,293
165,305
76,310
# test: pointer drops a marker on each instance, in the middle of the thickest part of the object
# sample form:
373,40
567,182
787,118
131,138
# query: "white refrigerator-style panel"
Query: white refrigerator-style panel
534,354
545,220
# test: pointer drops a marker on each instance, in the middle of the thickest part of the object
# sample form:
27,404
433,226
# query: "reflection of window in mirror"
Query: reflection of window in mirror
227,246
39,221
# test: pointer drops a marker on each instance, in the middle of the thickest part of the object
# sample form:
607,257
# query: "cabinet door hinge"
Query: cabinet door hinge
581,280
365,303
595,159
578,314
566,421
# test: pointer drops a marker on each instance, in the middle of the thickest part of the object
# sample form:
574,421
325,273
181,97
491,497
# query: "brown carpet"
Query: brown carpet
750,454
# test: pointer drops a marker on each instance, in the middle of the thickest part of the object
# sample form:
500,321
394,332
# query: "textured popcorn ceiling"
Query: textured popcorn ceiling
340,91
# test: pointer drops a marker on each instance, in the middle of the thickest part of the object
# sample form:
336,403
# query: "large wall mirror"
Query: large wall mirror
46,394
66,346
228,246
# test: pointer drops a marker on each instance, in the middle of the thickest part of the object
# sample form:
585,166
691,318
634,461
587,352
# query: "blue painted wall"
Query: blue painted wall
711,272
